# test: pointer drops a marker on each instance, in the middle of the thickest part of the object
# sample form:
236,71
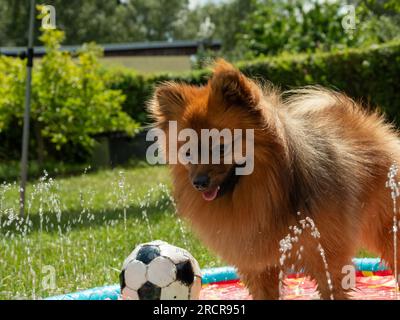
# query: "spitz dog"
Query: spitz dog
317,154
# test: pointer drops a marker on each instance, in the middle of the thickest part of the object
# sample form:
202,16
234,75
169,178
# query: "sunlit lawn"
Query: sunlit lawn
83,227
78,227
150,64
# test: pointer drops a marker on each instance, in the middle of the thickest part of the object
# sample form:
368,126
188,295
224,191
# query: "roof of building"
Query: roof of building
134,48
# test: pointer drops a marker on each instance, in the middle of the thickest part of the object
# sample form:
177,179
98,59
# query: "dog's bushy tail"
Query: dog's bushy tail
312,98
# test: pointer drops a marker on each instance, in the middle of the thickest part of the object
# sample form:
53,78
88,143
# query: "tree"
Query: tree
225,15
379,20
71,102
296,26
103,21
13,22
310,25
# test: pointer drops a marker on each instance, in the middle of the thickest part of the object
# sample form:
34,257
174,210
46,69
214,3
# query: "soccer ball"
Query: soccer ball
160,271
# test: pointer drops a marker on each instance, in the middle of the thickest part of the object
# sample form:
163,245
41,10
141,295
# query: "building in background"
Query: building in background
144,57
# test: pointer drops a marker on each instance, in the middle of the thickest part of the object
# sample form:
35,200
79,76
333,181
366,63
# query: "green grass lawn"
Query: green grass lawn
83,227
150,64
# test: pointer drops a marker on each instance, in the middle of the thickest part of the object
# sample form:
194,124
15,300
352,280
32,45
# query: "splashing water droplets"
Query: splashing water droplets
394,187
64,227
286,245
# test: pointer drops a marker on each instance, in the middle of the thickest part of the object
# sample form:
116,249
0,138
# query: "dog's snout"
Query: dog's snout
201,182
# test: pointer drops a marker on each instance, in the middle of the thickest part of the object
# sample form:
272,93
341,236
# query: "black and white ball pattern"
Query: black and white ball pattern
160,271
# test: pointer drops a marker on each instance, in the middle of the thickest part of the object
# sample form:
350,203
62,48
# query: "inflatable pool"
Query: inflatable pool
373,281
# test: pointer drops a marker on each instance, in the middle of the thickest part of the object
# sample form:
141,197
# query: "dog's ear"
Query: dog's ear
167,103
232,86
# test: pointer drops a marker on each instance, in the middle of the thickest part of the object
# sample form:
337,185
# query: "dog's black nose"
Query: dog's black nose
201,182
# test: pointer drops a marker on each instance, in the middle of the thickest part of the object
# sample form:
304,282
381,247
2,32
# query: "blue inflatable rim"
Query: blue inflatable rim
211,275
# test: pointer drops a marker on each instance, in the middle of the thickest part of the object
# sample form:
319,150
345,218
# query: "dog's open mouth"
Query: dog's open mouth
226,186
210,195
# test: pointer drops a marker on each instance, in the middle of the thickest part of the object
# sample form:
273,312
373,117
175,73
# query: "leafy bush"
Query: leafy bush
12,82
74,99
371,74
138,88
294,26
274,27
70,99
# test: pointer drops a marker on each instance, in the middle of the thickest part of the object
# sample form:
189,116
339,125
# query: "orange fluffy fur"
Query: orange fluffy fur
316,152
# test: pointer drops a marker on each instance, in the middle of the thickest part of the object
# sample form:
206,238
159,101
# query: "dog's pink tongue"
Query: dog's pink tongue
211,194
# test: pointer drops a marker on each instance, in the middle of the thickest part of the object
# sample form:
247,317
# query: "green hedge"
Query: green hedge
71,102
138,88
370,74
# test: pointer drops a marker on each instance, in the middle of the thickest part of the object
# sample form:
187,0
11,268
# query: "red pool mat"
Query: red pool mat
367,288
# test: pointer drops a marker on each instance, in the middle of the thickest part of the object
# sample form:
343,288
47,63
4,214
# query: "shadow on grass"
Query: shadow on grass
10,170
78,219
